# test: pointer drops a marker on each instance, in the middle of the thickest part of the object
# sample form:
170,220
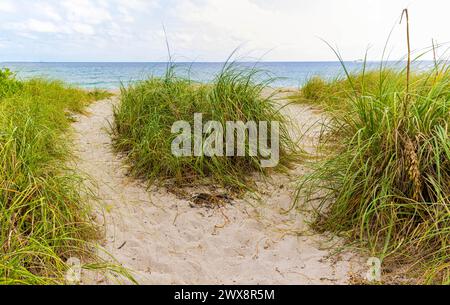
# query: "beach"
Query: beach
166,238
224,143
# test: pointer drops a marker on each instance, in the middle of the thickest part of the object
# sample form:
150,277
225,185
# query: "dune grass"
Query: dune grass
386,178
44,216
333,95
143,121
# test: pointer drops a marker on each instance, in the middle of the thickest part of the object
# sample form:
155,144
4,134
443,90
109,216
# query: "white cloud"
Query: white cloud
42,26
29,35
239,22
129,8
291,29
7,6
211,29
87,11
83,28
138,5
48,11
33,25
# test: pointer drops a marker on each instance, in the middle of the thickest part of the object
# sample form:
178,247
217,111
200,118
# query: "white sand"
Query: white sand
163,240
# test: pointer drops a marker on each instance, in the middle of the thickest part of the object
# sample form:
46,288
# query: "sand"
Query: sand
162,239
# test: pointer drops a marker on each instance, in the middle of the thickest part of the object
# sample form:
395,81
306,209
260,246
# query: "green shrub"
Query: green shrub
143,121
387,179
8,83
44,215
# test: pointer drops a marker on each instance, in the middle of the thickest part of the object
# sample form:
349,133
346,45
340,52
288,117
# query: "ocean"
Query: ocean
112,75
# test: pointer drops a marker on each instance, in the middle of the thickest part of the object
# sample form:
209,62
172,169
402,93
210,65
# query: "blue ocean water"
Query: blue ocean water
111,75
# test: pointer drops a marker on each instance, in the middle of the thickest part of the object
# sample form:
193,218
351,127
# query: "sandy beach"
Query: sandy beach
233,147
163,238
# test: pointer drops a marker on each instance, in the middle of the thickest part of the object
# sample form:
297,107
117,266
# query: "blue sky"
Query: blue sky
209,30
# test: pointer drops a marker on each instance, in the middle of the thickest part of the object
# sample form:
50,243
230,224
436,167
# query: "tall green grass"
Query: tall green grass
386,178
143,121
44,216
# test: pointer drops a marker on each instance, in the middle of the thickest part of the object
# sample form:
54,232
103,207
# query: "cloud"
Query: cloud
28,27
228,24
293,29
48,11
34,25
82,28
131,30
87,11
138,5
41,26
7,6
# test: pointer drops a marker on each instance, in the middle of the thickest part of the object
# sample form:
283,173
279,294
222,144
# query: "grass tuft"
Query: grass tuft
44,215
386,181
143,121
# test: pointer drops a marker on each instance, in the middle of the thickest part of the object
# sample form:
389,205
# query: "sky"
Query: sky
209,30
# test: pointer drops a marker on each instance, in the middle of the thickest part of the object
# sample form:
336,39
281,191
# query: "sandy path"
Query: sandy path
163,240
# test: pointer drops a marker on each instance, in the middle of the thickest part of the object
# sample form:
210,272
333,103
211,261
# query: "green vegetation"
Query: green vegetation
386,181
44,217
333,95
143,121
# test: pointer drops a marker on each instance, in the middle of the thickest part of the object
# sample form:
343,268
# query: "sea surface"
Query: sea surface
112,75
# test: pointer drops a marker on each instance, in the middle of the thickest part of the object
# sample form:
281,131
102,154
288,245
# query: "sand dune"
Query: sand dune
164,239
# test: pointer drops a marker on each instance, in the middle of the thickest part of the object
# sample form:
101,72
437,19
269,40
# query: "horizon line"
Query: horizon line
211,62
